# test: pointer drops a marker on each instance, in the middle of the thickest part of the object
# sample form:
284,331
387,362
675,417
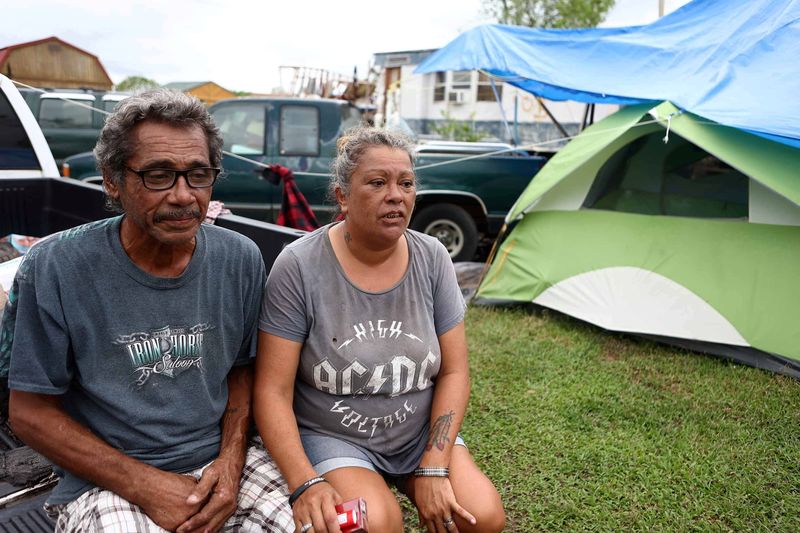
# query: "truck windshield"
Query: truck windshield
351,116
55,113
16,151
242,127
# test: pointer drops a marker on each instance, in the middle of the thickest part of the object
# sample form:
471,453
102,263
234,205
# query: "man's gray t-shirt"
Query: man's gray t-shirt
142,361
369,360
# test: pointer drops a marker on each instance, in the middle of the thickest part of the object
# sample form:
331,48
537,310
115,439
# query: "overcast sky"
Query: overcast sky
241,44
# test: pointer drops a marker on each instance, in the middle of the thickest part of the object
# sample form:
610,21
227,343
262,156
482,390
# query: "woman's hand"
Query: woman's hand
316,507
437,505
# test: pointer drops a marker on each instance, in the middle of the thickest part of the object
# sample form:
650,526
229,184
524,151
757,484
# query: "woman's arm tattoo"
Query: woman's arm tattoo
439,431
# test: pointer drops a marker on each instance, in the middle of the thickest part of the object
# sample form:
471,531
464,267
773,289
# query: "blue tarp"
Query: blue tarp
736,62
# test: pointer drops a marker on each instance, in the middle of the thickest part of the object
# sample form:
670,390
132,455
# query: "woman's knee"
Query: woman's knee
476,493
488,519
383,510
387,518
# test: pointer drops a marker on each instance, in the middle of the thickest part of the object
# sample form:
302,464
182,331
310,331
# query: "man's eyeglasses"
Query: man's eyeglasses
161,179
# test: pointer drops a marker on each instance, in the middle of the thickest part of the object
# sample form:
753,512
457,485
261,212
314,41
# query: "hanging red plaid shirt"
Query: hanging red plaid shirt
295,211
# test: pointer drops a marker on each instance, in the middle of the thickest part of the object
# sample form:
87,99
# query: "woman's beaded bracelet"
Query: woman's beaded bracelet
432,471
302,488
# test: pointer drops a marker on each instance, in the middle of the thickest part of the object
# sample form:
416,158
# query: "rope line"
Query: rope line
63,98
525,147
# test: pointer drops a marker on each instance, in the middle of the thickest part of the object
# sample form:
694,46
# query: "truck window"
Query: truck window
242,128
110,104
299,130
351,116
16,151
56,113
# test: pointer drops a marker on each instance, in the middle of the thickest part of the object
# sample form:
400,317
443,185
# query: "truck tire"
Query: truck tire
452,226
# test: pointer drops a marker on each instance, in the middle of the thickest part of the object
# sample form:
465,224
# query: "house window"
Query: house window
462,80
485,92
439,86
461,83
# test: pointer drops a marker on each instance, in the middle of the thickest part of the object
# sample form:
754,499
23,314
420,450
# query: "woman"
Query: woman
362,376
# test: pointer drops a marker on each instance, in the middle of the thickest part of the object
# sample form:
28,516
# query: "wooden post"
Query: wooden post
549,114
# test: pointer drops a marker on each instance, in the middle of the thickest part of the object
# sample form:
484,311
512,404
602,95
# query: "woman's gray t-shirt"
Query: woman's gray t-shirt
369,359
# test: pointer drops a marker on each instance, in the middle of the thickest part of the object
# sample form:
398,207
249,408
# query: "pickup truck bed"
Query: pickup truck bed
25,516
40,206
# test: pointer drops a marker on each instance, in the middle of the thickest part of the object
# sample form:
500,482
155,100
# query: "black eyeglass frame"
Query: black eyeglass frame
176,174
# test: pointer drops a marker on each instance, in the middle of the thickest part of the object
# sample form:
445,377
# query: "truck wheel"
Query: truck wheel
452,226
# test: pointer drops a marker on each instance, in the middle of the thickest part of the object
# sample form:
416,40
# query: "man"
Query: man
132,341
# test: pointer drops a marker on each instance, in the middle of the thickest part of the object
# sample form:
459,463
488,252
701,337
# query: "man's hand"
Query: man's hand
42,422
217,492
166,499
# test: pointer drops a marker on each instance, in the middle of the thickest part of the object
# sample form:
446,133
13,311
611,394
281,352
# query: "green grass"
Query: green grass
585,430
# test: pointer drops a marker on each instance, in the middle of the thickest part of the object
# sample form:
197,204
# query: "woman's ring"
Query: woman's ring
448,522
306,527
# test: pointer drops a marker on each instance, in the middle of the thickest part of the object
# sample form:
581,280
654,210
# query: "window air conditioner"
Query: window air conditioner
457,97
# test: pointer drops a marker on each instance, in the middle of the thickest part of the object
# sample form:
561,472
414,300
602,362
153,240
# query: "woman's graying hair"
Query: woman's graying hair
115,147
352,145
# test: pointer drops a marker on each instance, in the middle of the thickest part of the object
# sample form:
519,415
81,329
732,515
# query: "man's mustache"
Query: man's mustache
178,214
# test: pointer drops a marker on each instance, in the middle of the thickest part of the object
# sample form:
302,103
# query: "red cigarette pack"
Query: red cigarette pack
353,516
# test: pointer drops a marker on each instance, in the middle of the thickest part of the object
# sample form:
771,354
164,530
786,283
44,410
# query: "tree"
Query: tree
136,83
549,13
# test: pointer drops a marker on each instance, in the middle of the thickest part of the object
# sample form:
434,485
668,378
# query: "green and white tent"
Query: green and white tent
661,223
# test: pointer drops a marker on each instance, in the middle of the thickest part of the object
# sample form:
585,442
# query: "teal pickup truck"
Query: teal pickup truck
464,189
69,118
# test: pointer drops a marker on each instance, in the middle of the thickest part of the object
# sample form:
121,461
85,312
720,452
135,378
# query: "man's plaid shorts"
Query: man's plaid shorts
263,504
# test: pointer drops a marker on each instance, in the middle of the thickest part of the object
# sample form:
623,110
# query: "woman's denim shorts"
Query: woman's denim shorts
328,453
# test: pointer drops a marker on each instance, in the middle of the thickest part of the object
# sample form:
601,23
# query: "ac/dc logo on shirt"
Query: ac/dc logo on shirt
408,367
167,351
